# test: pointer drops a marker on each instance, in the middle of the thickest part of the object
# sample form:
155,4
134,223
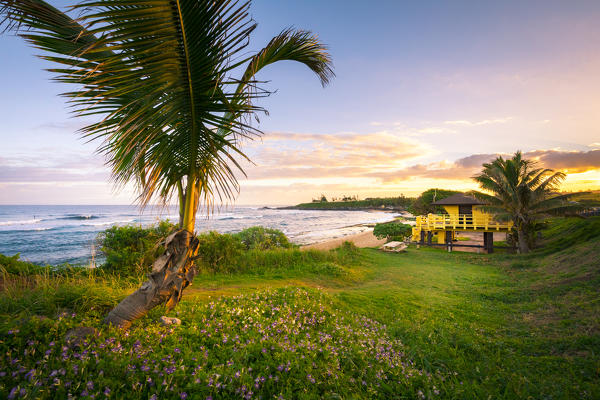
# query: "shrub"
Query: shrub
13,265
226,253
131,250
218,251
392,231
260,238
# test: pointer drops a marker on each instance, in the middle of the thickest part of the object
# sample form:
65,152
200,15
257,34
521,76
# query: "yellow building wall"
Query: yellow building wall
441,237
478,212
452,210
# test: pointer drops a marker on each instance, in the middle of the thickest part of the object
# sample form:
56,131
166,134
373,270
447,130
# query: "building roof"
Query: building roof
458,199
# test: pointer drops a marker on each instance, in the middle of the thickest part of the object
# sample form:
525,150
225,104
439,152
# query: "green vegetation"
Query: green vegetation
477,326
131,249
422,204
254,253
399,202
260,238
392,231
522,193
587,199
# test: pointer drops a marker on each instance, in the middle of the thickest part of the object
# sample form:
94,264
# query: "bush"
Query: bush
217,251
392,231
13,265
226,253
260,238
131,250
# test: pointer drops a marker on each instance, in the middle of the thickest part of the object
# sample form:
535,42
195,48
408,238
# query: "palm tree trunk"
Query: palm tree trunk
181,197
523,246
172,272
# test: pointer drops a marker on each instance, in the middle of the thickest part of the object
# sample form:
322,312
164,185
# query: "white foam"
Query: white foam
22,222
123,221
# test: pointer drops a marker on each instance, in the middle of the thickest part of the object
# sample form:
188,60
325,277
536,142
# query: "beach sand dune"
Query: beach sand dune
363,239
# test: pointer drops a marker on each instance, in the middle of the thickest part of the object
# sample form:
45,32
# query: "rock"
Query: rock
166,321
75,336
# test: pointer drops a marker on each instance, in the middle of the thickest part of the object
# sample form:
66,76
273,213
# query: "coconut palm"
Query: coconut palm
521,192
159,75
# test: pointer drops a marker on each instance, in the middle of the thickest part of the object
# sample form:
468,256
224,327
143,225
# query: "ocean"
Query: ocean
67,234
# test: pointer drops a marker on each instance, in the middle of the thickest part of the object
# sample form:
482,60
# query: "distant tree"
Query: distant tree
523,193
422,204
323,198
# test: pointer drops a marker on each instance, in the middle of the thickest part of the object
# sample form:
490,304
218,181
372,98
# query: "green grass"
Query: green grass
478,326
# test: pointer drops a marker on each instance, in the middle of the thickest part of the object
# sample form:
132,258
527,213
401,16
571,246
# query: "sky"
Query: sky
424,93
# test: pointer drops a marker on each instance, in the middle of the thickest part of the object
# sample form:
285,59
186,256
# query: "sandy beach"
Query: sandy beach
363,239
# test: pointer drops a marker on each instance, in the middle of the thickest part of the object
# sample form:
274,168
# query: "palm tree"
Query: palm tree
159,75
521,192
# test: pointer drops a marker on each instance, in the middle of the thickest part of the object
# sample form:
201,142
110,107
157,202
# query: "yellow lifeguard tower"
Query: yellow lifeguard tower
463,214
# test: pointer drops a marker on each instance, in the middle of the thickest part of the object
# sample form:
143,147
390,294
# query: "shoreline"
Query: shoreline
76,229
363,239
361,236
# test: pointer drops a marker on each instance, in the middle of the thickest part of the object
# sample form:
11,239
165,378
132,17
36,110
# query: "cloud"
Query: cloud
63,168
571,161
380,158
71,125
295,155
479,123
466,167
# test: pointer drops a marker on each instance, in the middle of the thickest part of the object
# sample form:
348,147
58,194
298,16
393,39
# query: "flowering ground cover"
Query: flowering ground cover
286,343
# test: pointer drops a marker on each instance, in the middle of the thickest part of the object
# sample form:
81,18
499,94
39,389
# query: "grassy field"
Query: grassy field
365,324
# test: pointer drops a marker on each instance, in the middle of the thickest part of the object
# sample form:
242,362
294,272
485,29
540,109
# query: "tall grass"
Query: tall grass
328,263
33,289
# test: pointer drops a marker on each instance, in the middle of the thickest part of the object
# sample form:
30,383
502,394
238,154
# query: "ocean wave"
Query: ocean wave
228,217
80,216
114,222
21,222
27,229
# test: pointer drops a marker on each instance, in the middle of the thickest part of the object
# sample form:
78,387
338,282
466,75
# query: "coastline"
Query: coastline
363,239
346,208
29,230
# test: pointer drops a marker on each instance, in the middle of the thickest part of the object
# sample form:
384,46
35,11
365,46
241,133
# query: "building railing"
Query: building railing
460,221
